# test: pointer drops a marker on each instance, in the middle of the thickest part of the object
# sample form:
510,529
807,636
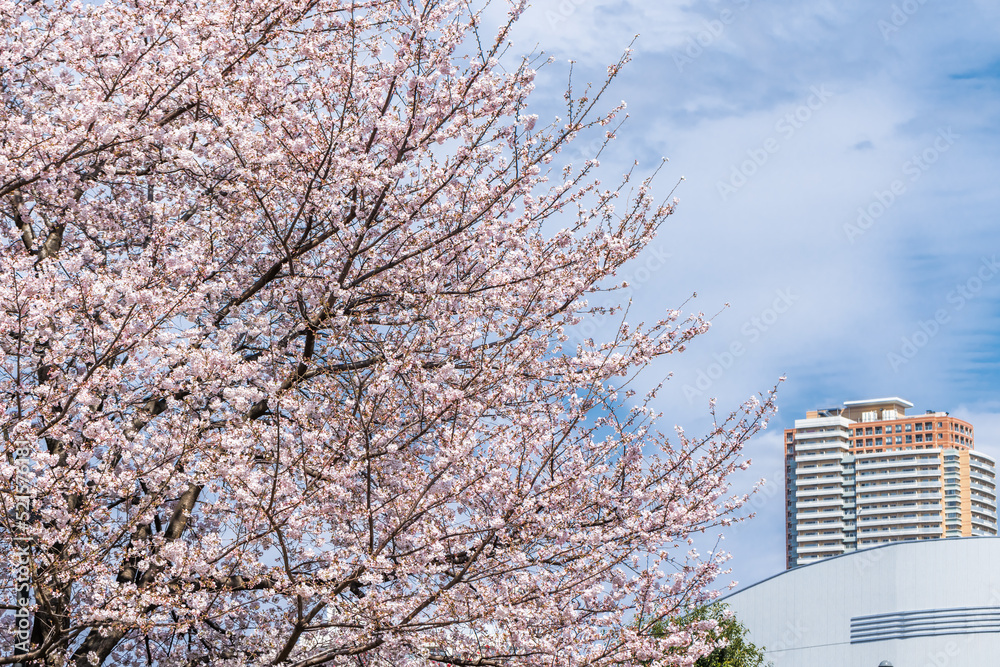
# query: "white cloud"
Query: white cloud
784,228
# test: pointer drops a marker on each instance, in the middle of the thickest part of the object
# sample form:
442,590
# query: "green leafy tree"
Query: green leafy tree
738,651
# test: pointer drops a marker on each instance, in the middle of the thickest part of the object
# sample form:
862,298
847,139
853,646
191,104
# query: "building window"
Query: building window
868,431
899,428
878,430
909,439
909,427
899,439
918,427
920,436
928,426
940,424
868,442
859,431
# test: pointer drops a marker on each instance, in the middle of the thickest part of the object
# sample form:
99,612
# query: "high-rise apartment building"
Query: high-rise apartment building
868,474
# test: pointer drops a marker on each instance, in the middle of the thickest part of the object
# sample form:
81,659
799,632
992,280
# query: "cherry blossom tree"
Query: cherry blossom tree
285,359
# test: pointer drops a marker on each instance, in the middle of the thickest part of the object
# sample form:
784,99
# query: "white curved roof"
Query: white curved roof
932,602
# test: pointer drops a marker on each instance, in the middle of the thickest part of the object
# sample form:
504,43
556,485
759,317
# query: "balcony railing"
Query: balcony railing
865,498
808,491
905,473
904,531
836,513
801,539
899,520
908,507
836,455
895,486
823,501
820,548
868,464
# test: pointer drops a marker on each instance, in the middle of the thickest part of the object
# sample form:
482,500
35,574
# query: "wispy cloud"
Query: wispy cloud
710,83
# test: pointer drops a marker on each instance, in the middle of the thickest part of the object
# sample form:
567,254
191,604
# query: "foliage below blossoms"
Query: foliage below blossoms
284,350
738,651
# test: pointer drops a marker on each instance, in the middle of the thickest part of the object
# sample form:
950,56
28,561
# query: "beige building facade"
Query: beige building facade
868,474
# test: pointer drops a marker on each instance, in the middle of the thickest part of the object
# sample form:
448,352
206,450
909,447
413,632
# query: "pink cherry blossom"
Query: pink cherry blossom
287,300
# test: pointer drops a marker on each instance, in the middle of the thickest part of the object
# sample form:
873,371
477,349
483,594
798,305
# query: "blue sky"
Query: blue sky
841,194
